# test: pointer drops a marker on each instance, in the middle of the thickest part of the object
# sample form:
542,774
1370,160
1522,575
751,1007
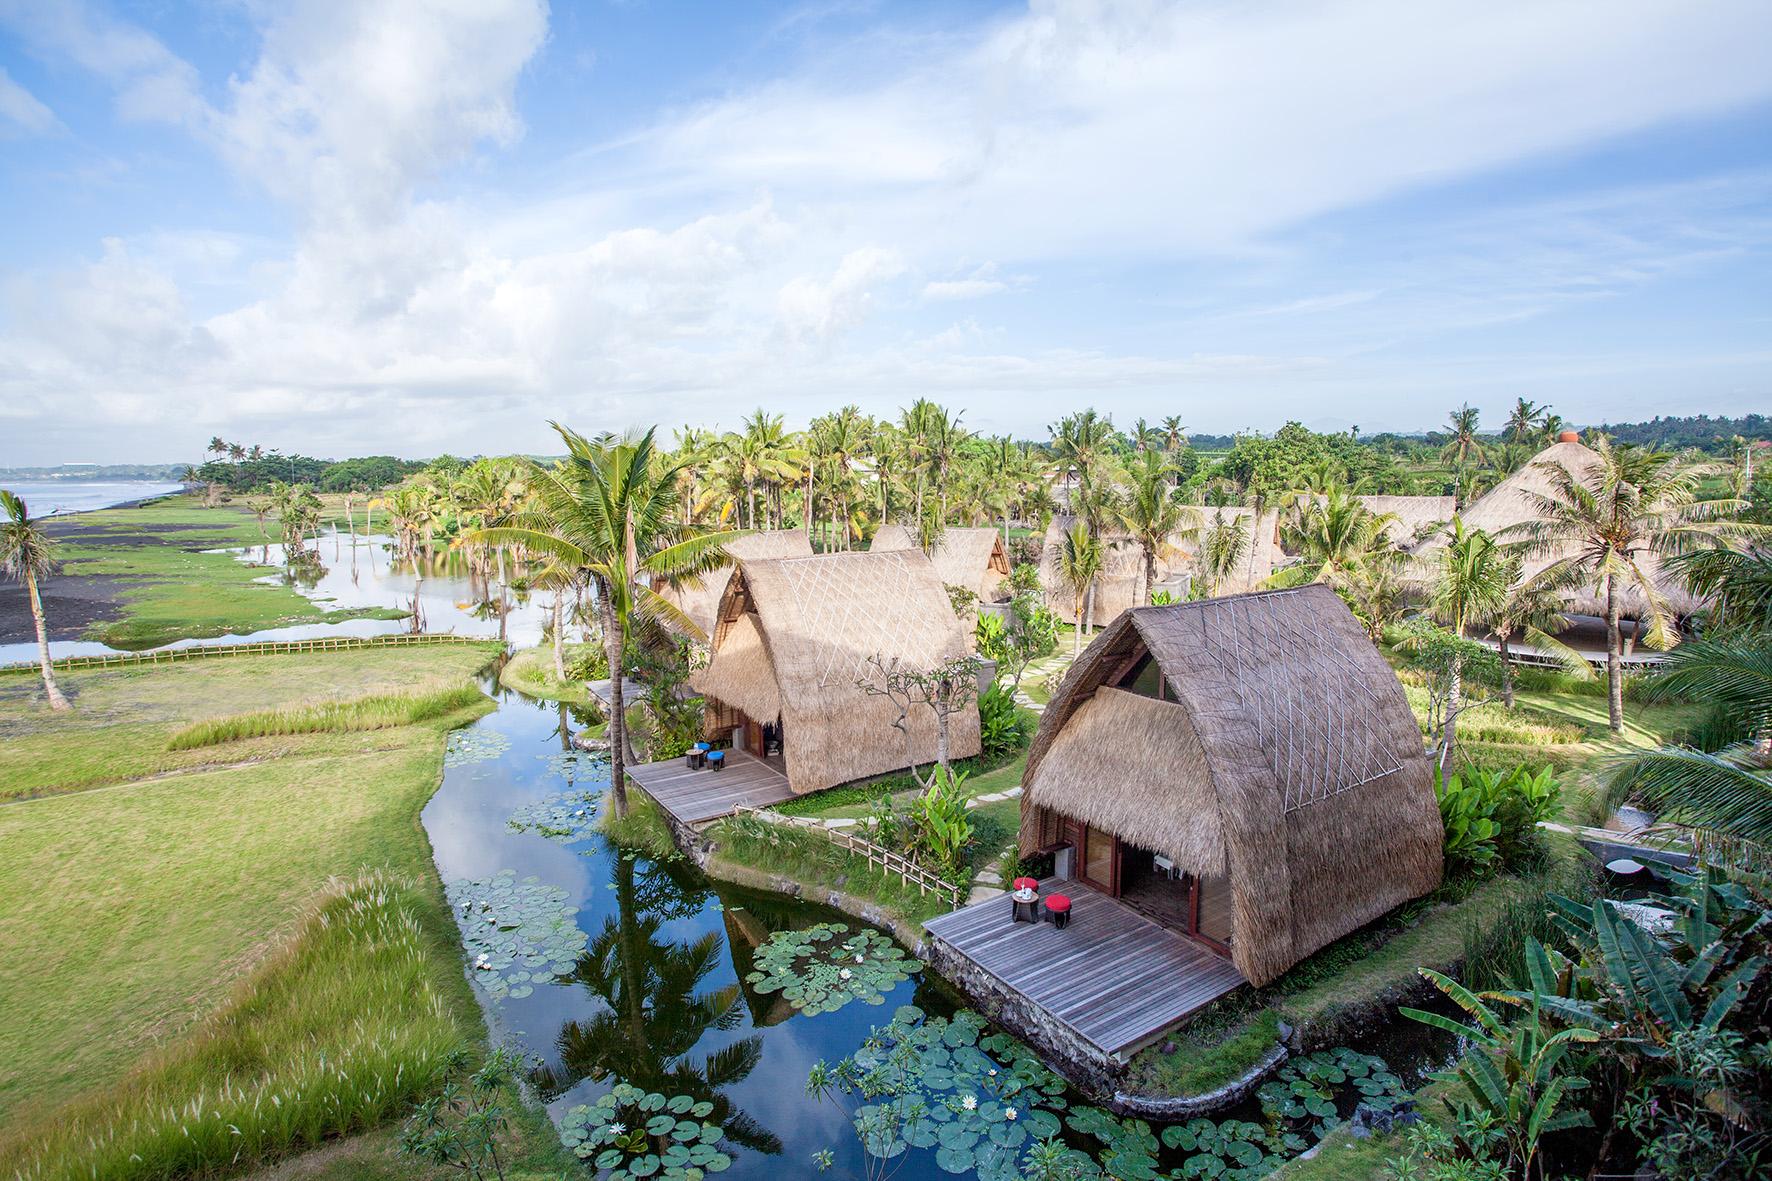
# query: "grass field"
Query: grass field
168,587
531,671
211,932
123,719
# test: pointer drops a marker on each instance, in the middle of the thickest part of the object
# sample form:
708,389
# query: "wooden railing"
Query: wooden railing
256,648
907,870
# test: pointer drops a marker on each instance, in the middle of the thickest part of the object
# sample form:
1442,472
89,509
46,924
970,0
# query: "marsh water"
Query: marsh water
657,996
356,572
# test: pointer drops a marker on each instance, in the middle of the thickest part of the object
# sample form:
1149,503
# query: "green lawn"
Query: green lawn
163,941
531,672
171,587
122,718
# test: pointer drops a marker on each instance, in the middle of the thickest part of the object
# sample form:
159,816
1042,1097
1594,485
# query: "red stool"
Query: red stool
1026,884
1058,909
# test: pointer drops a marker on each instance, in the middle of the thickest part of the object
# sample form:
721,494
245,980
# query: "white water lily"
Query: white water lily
617,1128
844,974
970,1103
1009,1113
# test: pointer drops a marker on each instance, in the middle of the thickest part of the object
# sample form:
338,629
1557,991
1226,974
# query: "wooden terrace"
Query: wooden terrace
694,798
1112,977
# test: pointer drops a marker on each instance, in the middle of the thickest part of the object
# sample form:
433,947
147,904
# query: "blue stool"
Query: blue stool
716,760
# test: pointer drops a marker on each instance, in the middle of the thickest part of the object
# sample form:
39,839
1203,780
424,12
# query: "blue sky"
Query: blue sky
416,227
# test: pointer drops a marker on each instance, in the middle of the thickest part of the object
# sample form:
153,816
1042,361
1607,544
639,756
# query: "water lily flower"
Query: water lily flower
1009,1113
617,1128
970,1103
844,974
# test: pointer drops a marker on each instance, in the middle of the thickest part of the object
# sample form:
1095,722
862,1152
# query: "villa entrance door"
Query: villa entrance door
1097,856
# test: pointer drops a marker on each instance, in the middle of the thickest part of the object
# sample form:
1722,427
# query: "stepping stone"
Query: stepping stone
1013,793
840,822
983,894
988,877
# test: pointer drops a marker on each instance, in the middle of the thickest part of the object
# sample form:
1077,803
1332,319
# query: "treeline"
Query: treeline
1715,435
95,471
347,475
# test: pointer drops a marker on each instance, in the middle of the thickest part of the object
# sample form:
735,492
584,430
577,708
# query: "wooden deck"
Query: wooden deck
1112,976
697,797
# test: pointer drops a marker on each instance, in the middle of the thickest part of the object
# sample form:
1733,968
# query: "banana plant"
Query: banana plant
1511,1075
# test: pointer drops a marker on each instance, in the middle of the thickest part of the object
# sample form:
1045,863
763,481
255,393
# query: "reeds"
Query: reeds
379,712
341,1030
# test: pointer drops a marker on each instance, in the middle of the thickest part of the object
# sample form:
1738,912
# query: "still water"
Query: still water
654,993
47,498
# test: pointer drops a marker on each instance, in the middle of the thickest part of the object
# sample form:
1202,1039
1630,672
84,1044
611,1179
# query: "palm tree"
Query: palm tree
608,510
27,555
1375,589
1524,423
1728,792
1221,548
1465,447
1078,441
1473,579
1737,583
1335,533
1531,609
1606,522
1079,559
1151,516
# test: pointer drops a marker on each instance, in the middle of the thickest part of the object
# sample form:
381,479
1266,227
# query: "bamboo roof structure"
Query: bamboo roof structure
794,635
1286,759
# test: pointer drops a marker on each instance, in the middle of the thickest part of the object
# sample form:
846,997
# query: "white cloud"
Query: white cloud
1084,145
812,310
949,289
22,110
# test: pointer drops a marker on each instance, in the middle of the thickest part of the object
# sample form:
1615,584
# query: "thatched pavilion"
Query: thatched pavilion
699,600
1504,508
970,558
792,637
1119,585
1245,770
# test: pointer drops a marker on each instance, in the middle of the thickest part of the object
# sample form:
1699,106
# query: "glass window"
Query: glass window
1145,679
1098,857
1215,909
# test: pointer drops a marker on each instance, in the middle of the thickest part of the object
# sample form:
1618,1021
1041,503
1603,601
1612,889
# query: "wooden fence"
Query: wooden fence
907,870
256,648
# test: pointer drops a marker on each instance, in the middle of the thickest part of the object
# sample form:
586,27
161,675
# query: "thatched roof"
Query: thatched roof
816,622
1119,585
970,558
1262,554
1415,515
1287,760
699,600
1506,506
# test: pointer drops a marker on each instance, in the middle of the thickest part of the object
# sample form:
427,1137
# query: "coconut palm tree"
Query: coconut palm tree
27,555
1465,446
1150,516
1079,559
1221,548
1335,533
1473,580
1079,441
1531,609
608,510
1525,421
1604,525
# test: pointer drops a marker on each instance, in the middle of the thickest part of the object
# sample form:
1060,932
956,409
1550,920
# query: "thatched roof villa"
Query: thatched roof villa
1119,585
1415,516
973,558
1245,770
1500,511
792,636
701,599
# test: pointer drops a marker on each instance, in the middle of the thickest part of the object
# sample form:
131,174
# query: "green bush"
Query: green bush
590,664
1003,726
942,830
1493,815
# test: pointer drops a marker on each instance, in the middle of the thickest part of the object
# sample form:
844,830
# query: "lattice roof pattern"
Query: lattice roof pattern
1315,719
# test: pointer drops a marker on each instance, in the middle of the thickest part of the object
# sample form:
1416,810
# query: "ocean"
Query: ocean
47,498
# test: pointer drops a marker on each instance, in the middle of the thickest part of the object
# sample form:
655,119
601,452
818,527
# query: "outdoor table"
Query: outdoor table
1024,901
698,758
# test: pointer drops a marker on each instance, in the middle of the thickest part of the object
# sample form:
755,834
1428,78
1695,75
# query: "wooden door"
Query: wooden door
1097,856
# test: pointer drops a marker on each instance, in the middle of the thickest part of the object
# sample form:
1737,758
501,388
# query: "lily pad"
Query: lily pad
822,968
617,1135
567,817
470,746
517,933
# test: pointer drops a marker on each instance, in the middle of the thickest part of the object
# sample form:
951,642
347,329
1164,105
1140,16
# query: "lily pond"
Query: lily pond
672,1023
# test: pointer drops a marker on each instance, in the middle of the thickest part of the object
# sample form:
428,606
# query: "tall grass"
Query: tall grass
379,712
810,858
339,1031
1494,951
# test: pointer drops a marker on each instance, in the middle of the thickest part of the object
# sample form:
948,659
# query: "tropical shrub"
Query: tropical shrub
1002,726
459,1127
1493,816
590,663
941,830
1512,1095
